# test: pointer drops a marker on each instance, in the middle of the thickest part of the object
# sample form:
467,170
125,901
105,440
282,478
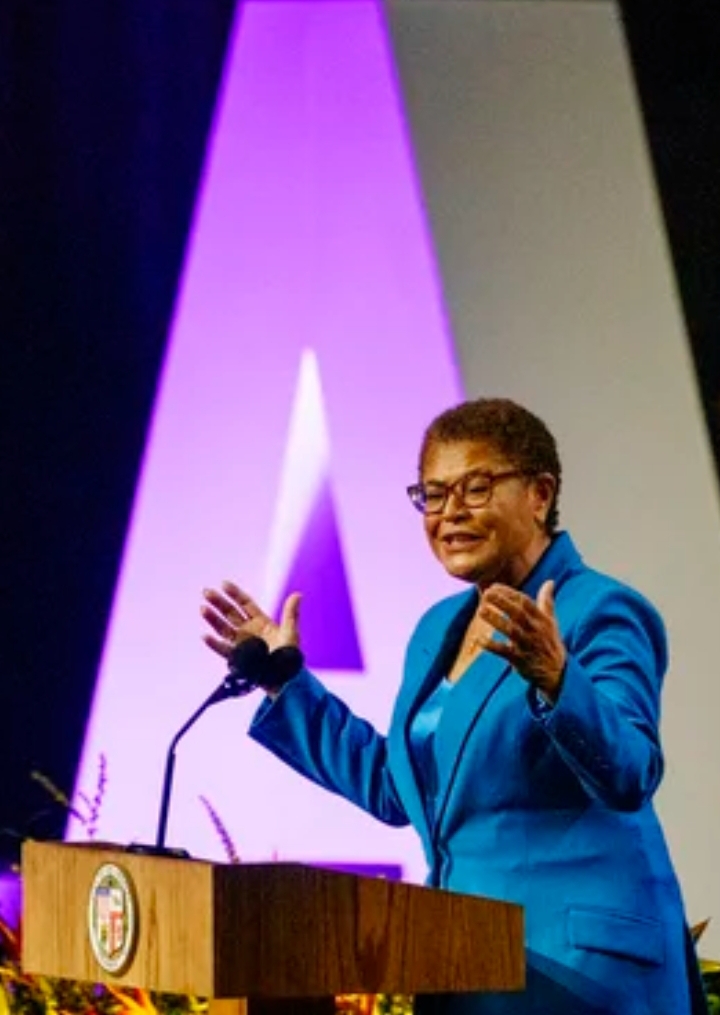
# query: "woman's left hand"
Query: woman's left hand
532,642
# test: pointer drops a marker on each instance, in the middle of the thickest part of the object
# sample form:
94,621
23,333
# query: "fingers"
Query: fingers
546,598
509,612
226,611
230,608
513,615
500,601
219,623
509,601
223,648
530,638
290,619
220,613
244,603
507,649
234,616
500,621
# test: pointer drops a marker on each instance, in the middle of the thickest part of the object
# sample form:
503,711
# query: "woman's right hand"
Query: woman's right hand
234,616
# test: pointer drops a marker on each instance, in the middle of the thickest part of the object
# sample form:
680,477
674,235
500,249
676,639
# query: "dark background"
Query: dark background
104,112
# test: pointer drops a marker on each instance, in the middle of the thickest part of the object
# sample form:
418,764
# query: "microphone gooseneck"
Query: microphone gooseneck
251,664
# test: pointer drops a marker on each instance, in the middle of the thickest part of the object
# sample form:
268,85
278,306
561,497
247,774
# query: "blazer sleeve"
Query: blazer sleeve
605,721
315,733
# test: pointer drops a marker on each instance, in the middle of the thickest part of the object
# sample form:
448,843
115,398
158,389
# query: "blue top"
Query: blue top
422,741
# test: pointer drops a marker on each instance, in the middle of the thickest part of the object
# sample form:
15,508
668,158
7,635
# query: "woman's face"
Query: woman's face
499,541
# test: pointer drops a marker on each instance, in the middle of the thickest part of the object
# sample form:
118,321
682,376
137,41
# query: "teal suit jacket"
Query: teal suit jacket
550,810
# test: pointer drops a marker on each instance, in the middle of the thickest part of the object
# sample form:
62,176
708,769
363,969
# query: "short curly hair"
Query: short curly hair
516,433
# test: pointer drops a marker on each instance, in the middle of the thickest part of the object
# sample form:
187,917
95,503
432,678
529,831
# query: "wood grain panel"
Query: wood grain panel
298,931
174,899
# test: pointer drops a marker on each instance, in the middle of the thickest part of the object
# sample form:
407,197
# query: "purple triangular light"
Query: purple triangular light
327,625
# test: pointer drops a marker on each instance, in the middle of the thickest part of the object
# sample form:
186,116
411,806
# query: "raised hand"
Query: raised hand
532,641
234,616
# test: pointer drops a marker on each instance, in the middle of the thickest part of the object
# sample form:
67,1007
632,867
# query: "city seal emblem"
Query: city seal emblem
112,918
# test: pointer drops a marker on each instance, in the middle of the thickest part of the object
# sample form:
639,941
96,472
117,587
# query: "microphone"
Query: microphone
247,661
251,664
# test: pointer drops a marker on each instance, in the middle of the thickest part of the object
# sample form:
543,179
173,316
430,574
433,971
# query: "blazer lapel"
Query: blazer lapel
479,683
462,711
429,656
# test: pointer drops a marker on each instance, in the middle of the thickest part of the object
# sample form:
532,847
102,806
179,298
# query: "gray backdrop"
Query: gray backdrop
556,271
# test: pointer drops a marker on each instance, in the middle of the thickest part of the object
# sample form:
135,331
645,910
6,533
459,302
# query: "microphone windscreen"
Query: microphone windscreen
284,664
248,659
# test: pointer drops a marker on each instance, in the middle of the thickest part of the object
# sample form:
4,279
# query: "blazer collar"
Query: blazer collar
559,560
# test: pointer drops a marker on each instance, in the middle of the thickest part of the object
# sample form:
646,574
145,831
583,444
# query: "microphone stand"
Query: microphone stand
250,659
233,686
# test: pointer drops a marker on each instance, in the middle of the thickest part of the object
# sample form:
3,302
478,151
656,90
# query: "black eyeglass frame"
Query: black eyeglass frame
415,490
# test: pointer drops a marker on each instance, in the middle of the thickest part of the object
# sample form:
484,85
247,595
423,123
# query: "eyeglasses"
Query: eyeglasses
474,490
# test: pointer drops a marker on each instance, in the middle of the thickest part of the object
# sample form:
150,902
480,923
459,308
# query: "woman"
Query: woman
524,743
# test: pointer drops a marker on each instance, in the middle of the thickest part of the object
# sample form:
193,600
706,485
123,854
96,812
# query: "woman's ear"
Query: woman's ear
544,486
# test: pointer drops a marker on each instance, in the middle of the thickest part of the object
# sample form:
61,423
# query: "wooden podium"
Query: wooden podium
267,938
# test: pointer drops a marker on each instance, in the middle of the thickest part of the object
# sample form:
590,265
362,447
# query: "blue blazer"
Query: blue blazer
552,810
